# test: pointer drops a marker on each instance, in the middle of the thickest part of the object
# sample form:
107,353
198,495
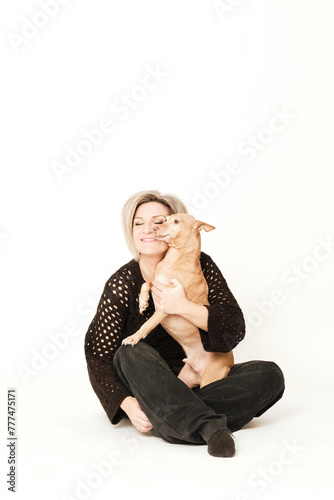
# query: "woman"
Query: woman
141,382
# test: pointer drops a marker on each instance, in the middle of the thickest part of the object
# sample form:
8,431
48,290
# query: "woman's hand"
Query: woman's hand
169,299
173,300
138,418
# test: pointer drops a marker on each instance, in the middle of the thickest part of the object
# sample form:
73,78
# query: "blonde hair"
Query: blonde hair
170,201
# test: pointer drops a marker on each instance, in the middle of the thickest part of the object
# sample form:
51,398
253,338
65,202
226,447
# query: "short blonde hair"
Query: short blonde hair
170,201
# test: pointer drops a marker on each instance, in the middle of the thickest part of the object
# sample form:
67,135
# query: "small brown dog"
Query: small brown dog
182,233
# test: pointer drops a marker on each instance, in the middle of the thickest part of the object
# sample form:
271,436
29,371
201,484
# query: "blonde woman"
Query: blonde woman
141,382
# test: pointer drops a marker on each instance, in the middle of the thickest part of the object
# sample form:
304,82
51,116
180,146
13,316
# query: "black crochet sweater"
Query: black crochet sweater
118,316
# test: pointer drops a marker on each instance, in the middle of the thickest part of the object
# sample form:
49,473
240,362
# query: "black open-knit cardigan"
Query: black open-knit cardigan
118,316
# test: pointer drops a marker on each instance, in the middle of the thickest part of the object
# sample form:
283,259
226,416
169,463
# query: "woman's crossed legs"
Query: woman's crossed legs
183,415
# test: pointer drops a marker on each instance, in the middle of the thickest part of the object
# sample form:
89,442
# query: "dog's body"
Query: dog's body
182,262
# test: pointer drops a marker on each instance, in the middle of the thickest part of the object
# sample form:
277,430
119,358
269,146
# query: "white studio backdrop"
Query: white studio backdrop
227,105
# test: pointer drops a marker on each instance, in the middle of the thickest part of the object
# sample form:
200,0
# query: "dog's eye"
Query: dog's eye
176,221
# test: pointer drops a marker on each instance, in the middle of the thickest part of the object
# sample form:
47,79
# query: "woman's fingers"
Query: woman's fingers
144,427
146,424
169,299
156,294
158,286
156,291
140,420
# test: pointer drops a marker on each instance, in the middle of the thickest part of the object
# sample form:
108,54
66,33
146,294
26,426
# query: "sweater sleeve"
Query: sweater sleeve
226,324
102,340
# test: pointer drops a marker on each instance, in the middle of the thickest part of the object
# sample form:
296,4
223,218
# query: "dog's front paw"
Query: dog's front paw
144,296
132,340
143,305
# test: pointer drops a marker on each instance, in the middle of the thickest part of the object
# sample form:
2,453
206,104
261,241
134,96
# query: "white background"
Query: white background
226,75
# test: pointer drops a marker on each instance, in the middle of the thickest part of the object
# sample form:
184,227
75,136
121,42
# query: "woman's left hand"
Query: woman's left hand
169,299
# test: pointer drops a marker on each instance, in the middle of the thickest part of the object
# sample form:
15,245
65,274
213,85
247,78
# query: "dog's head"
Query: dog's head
179,229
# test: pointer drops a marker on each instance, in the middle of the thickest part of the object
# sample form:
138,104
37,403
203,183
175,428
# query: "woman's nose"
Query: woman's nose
148,228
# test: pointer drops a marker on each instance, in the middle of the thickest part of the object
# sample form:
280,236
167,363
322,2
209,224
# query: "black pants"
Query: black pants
183,415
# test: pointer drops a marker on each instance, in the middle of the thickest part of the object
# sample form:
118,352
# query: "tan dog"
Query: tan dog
182,233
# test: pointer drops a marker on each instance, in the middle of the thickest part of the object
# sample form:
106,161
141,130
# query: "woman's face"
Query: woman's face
147,217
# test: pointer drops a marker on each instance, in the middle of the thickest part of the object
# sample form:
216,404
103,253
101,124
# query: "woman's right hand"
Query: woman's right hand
138,418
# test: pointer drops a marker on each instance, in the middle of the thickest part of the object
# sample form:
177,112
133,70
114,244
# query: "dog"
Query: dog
182,261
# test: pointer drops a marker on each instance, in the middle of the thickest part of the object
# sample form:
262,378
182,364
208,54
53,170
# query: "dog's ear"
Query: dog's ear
203,225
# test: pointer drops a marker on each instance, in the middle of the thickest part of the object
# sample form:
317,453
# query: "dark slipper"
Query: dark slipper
221,444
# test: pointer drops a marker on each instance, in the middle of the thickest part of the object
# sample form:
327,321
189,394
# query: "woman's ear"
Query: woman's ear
203,225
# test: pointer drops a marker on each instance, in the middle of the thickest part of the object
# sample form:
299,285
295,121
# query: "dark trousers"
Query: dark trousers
183,415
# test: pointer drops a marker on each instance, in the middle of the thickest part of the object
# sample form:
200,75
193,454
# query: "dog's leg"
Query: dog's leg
144,296
218,367
189,376
145,329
